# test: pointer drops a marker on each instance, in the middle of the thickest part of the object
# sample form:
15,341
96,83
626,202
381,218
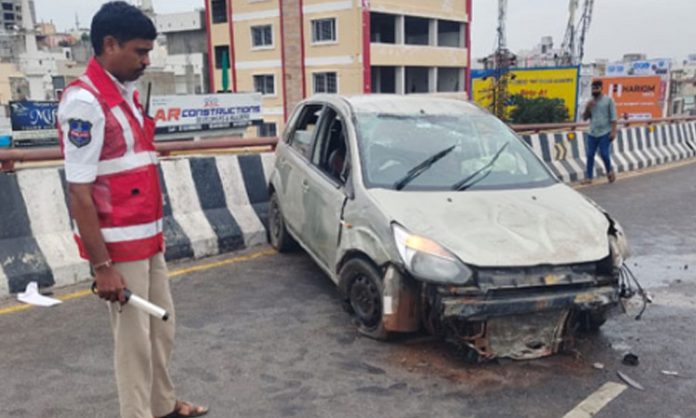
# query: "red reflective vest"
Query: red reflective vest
126,192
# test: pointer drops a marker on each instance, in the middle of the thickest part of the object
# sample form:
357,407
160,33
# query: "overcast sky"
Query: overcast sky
659,28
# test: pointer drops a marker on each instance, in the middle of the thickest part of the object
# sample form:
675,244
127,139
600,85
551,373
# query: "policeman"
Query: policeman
116,203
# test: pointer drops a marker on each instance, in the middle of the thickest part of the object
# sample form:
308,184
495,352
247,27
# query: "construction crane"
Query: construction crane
573,47
503,60
568,46
585,21
502,15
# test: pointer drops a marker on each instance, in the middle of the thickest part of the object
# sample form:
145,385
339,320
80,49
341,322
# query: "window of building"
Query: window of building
383,79
7,6
264,84
267,129
417,30
219,10
382,28
262,36
324,30
449,34
220,52
450,79
325,83
417,80
9,16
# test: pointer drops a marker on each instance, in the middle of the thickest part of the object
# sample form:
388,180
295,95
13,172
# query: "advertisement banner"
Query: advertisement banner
659,66
636,97
33,116
34,123
191,113
553,83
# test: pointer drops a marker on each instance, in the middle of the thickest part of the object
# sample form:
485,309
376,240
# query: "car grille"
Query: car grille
538,276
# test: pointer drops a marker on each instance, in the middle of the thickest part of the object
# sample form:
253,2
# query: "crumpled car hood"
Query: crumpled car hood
504,228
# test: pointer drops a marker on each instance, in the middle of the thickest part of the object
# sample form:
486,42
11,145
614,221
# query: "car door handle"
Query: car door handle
305,185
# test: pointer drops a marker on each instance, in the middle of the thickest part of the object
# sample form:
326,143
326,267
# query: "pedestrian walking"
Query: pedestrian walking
601,111
116,203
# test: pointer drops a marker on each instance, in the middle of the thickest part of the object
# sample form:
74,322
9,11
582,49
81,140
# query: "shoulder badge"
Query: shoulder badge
80,132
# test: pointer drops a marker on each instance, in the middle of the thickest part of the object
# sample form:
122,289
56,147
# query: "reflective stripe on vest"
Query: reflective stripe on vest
130,233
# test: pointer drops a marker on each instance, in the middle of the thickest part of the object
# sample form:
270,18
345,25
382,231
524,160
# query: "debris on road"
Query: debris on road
630,381
32,296
630,359
598,366
669,373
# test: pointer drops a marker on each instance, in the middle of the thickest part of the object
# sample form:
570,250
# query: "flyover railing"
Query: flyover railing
9,157
575,126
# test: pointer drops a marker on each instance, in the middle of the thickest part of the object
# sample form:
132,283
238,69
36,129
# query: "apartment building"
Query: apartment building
11,14
291,49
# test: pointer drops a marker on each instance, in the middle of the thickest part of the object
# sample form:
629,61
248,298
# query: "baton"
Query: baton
140,303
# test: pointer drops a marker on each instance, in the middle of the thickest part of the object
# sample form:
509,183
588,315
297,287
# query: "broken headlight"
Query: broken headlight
428,260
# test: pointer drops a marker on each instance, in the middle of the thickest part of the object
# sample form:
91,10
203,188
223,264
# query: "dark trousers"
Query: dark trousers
604,144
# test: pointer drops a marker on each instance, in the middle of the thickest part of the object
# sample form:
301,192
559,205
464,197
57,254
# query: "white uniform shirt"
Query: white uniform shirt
81,107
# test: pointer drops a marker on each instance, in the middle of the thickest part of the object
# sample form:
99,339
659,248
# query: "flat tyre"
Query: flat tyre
278,235
365,297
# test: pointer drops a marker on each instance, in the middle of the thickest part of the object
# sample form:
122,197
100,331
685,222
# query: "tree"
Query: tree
538,110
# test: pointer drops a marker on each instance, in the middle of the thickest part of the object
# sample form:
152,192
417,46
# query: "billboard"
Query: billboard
192,113
636,97
34,122
659,66
33,116
554,83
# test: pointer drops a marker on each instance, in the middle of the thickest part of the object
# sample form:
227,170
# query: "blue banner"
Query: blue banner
33,116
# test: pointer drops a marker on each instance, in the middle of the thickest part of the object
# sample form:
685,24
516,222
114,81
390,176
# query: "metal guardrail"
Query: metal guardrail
9,157
574,126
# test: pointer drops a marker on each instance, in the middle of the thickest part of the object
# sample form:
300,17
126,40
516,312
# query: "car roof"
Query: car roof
395,104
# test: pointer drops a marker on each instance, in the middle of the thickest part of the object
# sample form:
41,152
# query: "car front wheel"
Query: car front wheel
278,235
365,297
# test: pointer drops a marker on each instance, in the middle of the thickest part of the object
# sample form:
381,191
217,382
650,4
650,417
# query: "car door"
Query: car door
324,193
293,162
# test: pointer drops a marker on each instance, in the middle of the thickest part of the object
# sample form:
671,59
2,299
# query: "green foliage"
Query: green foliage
538,110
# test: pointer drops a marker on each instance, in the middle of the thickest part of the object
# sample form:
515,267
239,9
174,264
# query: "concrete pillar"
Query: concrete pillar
432,36
400,80
400,30
292,48
432,79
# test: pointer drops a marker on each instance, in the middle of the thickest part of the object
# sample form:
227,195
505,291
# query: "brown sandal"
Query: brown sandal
190,410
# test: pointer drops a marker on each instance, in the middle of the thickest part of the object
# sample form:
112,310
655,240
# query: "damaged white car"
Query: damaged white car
430,213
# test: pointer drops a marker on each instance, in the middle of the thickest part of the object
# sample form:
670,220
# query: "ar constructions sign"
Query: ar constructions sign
195,113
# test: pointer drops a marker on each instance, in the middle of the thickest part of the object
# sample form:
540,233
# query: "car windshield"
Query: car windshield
485,154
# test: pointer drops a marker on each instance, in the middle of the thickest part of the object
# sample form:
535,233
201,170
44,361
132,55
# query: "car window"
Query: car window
482,146
302,136
330,151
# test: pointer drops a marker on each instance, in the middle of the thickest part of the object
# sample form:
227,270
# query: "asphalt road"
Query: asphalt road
265,336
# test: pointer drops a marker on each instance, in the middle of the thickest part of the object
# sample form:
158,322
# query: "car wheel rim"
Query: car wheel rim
365,299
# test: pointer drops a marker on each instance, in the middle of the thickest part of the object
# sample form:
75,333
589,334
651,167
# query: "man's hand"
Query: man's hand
110,284
587,114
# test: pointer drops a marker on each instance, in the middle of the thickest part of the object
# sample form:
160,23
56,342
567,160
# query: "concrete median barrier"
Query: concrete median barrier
635,148
212,205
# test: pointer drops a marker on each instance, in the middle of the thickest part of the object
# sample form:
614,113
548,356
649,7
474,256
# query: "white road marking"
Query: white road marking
598,400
